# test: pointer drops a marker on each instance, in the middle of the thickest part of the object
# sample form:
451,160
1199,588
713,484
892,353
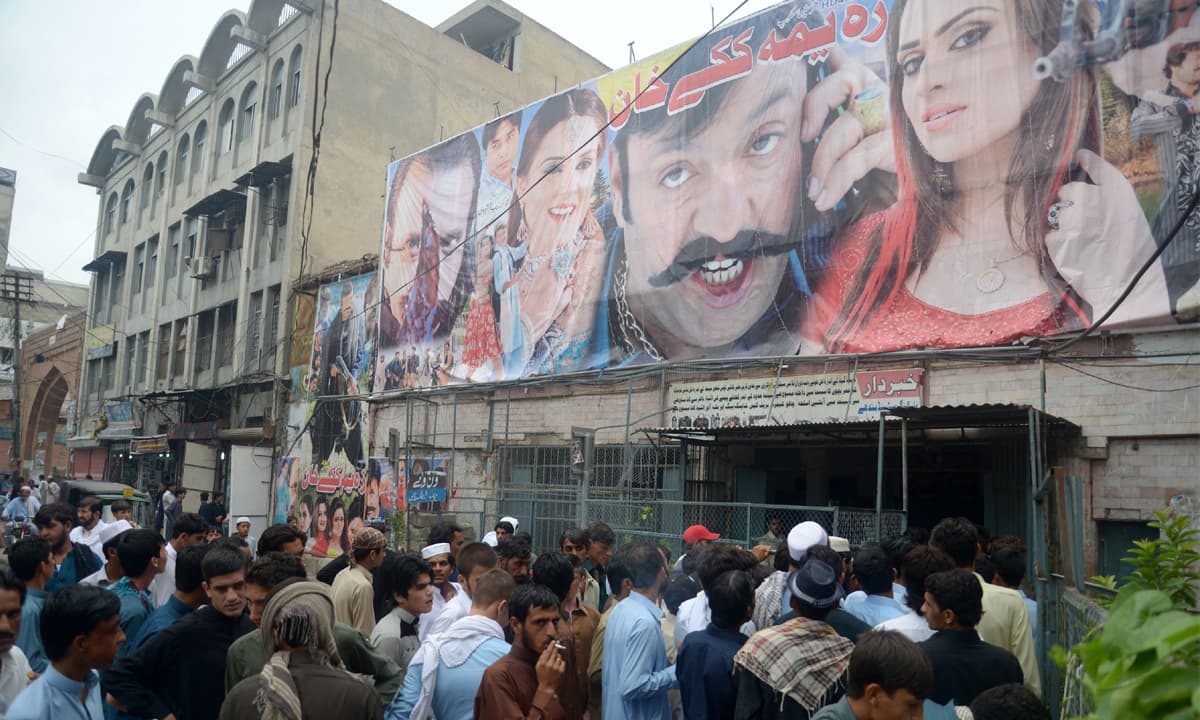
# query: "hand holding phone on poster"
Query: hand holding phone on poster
846,151
1099,238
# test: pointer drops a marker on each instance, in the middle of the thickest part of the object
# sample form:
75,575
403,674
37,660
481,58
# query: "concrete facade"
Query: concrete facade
207,216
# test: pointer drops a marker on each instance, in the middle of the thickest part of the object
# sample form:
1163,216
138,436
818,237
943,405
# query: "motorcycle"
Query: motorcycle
15,529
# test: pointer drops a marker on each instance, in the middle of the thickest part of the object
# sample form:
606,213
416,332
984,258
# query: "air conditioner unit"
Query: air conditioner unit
201,267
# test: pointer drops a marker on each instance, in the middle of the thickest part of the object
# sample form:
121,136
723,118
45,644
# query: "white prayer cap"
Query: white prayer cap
804,536
113,529
435,549
512,521
490,538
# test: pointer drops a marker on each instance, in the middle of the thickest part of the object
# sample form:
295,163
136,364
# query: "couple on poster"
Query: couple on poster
872,177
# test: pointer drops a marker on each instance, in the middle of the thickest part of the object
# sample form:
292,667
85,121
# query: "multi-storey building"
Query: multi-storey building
260,163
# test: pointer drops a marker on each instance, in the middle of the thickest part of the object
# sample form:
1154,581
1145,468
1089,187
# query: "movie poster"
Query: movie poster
326,481
832,177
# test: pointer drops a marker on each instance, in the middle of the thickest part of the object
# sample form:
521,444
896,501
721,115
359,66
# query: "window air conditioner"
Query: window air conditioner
201,267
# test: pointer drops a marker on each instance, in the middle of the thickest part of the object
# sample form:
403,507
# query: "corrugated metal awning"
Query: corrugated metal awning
993,415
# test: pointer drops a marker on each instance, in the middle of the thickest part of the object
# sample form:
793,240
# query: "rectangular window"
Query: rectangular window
276,99
139,262
151,261
227,134
107,368
94,371
204,340
248,121
164,351
226,320
117,286
294,100
142,355
130,348
254,330
99,299
172,251
271,328
180,343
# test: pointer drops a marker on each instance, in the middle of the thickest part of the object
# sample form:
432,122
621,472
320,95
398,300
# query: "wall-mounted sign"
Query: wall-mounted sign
100,341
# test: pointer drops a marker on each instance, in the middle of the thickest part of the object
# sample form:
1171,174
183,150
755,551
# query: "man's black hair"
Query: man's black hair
443,532
644,563
1012,701
523,537
275,537
120,506
188,524
528,596
27,555
9,581
475,555
51,512
896,548
554,570
1009,564
921,562
730,595
827,555
958,590
235,540
783,560
400,572
984,567
617,571
680,589
577,536
599,532
490,130
509,548
983,535
224,558
873,568
189,571
203,497
891,661
958,538
73,611
91,503
720,559
137,548
272,568
504,525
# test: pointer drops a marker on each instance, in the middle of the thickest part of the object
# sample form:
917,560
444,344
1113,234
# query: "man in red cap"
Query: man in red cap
696,539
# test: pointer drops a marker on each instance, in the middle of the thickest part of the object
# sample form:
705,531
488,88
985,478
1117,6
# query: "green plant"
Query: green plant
1143,661
399,530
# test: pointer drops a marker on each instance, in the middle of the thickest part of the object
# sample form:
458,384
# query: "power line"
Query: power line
1081,371
40,151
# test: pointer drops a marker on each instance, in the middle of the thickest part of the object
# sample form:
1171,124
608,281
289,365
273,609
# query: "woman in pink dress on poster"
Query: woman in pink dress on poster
482,346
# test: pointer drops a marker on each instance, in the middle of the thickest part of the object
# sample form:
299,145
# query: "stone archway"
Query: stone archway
44,413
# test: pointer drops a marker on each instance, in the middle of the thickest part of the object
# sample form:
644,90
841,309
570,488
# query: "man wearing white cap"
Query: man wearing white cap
242,530
493,537
444,590
771,597
111,571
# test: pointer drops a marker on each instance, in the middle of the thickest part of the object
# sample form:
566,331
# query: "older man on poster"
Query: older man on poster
717,234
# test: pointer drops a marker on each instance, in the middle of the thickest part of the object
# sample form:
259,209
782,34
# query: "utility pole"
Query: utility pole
17,287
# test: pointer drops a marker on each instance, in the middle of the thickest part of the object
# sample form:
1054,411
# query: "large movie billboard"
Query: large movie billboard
818,178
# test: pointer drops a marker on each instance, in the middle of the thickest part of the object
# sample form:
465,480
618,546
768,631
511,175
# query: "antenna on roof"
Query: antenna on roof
632,57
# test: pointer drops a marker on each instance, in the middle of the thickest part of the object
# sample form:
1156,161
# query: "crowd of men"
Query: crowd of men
111,619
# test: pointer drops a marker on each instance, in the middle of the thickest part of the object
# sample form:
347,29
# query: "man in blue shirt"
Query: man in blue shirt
448,669
72,562
142,556
31,563
83,632
189,594
23,505
636,677
875,574
705,664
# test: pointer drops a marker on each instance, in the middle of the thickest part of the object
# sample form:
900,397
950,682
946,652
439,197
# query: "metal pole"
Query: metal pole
879,483
904,472
16,373
627,471
453,446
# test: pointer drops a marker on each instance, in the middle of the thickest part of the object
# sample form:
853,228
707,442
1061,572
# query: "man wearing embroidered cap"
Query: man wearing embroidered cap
696,539
111,571
794,669
444,590
353,588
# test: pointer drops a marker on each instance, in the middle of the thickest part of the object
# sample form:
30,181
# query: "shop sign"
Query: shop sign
119,416
426,481
100,341
192,431
149,445
793,400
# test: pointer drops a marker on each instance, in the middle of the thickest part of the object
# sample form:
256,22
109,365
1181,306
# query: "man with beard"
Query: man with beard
430,213
636,677
87,530
72,562
444,590
718,227
338,423
526,683
14,667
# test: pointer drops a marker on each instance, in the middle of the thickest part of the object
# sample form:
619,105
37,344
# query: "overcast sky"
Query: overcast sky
72,68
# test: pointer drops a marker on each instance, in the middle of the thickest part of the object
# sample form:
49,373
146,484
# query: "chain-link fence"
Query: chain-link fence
1077,617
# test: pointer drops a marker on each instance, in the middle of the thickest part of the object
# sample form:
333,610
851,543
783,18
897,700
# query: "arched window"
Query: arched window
147,184
294,77
181,158
161,181
226,119
126,201
249,106
110,214
198,145
275,101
